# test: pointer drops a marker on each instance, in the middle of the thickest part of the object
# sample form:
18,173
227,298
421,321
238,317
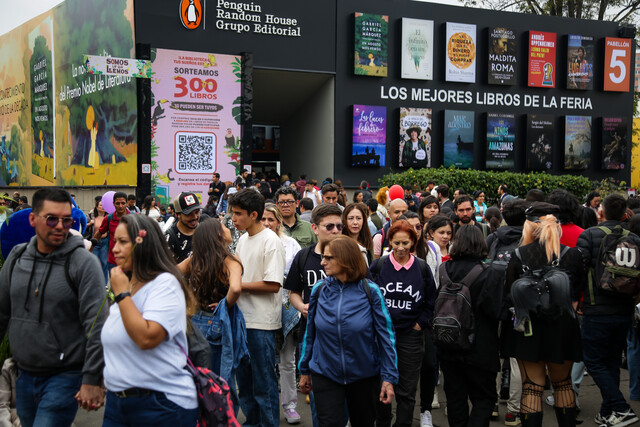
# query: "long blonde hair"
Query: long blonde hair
548,231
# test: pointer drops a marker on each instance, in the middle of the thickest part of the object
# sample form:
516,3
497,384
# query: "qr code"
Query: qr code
195,152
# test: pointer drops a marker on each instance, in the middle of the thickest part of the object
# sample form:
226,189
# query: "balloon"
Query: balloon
107,202
395,192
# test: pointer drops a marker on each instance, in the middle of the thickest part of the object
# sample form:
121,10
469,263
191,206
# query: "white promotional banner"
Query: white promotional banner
127,67
461,53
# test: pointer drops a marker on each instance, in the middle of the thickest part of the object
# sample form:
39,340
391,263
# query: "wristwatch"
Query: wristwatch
121,296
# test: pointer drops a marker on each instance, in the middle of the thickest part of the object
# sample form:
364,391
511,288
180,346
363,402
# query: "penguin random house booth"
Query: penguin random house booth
351,90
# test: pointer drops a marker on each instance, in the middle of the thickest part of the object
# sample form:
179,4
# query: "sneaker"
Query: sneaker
599,419
512,419
495,413
291,416
425,419
621,419
550,400
435,404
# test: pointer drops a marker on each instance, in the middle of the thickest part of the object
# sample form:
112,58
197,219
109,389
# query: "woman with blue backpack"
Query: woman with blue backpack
542,282
409,291
348,349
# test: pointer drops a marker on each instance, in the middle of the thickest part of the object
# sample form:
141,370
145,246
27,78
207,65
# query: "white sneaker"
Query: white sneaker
425,419
435,404
550,400
621,419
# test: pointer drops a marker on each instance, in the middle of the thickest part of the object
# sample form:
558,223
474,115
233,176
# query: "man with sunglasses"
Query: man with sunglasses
306,269
111,223
50,298
287,202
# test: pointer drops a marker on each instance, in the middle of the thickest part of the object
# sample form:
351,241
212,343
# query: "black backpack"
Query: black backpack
500,255
545,292
453,321
618,267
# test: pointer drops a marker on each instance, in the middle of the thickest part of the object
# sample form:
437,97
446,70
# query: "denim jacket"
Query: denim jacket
229,331
290,317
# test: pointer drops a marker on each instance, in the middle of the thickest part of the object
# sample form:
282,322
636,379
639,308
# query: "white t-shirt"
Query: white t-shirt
263,259
160,368
314,195
291,248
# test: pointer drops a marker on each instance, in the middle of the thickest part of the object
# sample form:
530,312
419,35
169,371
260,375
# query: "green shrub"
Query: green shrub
471,180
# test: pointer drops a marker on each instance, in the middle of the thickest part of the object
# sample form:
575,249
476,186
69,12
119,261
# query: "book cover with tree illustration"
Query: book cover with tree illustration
577,142
371,44
42,101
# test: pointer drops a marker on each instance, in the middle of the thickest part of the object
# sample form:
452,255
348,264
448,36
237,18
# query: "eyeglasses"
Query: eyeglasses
52,221
329,227
286,202
327,258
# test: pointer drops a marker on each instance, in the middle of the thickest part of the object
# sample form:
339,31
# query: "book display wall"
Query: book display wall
517,125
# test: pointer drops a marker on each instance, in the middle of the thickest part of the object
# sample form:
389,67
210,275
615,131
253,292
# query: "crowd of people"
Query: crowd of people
279,285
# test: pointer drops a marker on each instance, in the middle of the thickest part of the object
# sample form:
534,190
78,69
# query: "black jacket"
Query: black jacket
486,299
602,303
505,235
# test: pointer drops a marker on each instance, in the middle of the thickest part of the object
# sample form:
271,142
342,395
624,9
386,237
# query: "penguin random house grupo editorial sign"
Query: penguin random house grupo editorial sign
238,17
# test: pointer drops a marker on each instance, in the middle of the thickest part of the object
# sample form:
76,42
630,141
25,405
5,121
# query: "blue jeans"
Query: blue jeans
204,322
101,250
47,401
153,410
603,339
258,383
633,362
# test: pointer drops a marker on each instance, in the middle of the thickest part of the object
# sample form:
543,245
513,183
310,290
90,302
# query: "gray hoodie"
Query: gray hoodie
48,329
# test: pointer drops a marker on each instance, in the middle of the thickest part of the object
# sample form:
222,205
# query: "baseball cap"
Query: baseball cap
186,203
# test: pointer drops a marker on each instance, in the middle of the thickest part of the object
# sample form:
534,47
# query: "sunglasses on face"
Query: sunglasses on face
329,227
327,258
286,202
52,221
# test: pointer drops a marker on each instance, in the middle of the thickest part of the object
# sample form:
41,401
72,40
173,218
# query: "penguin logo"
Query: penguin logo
190,13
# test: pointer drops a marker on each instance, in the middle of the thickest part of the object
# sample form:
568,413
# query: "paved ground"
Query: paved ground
589,401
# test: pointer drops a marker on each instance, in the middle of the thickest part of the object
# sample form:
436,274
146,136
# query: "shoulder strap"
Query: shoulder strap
422,264
367,290
71,283
517,252
444,276
493,249
302,261
172,233
472,275
378,267
563,252
606,230
15,259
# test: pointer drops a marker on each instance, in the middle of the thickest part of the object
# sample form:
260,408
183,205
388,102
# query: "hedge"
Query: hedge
471,180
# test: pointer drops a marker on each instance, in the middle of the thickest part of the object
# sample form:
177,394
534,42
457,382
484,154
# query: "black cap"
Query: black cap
538,209
186,203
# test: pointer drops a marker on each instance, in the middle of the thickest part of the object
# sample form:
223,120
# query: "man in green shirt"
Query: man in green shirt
301,231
